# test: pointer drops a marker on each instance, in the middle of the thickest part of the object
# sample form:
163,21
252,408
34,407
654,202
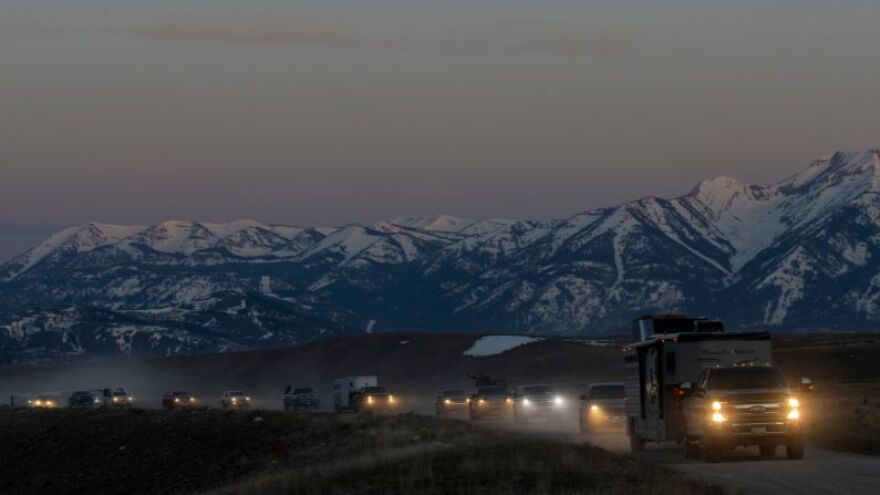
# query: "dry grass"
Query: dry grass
261,452
457,458
845,416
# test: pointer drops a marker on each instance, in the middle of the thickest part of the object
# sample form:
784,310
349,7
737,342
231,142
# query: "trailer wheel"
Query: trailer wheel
711,452
691,448
636,444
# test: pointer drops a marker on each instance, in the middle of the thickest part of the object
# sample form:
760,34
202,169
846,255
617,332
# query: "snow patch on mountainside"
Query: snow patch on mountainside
496,344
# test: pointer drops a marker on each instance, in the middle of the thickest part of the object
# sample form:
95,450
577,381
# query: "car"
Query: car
742,405
176,400
235,399
453,402
491,402
300,399
602,407
373,399
118,398
43,401
537,402
83,399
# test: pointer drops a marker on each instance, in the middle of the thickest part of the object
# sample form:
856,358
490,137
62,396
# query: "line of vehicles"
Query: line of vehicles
687,380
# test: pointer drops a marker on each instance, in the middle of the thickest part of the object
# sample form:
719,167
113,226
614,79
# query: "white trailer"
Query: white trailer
668,351
345,388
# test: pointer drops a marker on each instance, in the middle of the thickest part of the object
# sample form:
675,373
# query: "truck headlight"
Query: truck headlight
718,417
369,400
447,401
794,415
558,400
391,399
716,406
793,403
594,409
526,402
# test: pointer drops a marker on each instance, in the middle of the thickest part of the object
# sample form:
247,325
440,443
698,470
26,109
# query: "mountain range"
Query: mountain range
800,254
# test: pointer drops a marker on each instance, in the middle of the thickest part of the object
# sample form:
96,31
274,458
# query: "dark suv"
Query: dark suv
300,399
735,406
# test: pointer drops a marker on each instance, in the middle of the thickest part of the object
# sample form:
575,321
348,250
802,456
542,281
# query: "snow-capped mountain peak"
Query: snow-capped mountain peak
763,254
442,223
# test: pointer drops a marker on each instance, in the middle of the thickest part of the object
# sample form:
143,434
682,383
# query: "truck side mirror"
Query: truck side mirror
807,385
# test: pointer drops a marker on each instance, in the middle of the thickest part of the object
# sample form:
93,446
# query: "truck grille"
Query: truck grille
768,413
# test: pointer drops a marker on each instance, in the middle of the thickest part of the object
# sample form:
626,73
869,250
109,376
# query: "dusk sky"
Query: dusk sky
325,112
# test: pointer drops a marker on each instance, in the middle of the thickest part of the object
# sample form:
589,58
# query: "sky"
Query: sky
326,112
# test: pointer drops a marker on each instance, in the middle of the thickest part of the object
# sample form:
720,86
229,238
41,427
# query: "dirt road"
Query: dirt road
744,471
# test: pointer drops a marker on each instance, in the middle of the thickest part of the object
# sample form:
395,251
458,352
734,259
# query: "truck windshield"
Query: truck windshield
454,394
734,378
606,392
375,390
492,391
537,390
302,390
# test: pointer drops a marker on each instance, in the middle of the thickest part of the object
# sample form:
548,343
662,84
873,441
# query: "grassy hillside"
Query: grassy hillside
133,452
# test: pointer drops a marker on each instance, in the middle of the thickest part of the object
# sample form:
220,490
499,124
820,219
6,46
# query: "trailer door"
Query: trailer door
652,381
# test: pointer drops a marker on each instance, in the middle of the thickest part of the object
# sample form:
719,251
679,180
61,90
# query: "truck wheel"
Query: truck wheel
795,450
636,444
768,450
691,449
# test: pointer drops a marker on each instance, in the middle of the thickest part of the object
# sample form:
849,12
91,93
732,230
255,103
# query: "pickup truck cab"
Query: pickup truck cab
736,406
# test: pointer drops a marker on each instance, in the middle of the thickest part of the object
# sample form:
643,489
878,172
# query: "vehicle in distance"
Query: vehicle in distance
175,400
235,399
374,399
352,392
537,402
491,402
602,407
453,402
300,399
118,398
83,399
737,406
43,402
